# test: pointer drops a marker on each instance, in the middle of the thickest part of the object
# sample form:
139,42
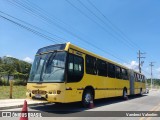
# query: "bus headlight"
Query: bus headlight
52,92
58,92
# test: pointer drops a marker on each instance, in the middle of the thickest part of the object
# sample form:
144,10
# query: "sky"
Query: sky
114,29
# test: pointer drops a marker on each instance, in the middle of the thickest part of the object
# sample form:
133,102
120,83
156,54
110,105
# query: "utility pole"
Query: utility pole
151,64
139,58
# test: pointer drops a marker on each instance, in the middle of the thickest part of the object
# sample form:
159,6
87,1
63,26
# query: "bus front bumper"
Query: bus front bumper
49,97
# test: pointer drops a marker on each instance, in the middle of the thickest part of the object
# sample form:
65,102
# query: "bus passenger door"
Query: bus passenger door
75,73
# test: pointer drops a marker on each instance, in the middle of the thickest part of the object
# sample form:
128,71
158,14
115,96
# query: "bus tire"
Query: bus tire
125,97
87,97
141,93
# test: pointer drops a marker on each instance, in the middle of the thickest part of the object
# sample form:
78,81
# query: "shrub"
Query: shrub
21,76
19,82
4,82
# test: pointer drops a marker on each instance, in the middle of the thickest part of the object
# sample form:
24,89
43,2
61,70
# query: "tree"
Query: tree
10,66
0,60
9,69
18,66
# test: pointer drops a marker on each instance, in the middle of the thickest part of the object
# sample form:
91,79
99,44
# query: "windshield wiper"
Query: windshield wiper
49,60
52,56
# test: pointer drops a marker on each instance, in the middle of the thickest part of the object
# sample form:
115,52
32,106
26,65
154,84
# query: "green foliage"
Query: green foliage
21,76
156,82
19,82
10,66
0,60
3,82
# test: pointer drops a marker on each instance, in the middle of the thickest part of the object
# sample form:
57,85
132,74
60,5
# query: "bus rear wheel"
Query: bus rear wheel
125,97
141,93
87,97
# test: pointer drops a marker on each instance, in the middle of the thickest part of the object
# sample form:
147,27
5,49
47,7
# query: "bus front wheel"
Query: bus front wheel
87,97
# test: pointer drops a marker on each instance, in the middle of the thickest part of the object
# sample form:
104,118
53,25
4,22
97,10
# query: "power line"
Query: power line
30,29
41,10
129,41
125,41
36,32
47,19
103,50
102,27
51,22
145,71
88,43
114,26
35,27
37,13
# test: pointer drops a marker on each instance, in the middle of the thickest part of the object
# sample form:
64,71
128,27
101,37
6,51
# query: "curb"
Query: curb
20,106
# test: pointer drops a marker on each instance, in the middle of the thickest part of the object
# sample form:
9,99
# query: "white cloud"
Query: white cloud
158,69
158,72
145,70
28,59
132,65
8,55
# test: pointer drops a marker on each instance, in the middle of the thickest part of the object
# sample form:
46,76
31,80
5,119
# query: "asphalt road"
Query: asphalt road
105,107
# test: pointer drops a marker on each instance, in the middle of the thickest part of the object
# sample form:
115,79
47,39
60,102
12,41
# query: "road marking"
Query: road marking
158,108
155,108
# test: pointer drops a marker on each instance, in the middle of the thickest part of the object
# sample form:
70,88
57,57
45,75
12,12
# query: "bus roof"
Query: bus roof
51,48
68,45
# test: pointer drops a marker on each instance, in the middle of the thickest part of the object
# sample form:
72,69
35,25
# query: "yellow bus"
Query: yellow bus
64,73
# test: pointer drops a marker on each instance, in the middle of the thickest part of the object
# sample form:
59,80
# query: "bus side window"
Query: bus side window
118,72
70,63
111,70
101,68
75,68
91,65
143,79
140,78
124,74
135,77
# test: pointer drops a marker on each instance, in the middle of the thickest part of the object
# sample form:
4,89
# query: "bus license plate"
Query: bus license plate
38,96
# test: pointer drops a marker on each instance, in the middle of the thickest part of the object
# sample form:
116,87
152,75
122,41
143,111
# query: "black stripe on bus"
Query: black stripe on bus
103,89
108,88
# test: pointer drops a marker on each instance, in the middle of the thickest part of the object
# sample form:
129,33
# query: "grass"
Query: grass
18,92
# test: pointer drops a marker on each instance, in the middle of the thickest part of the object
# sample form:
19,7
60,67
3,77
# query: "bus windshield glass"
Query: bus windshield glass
48,67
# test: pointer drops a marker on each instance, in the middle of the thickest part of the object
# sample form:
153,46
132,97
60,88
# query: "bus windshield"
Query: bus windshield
48,67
